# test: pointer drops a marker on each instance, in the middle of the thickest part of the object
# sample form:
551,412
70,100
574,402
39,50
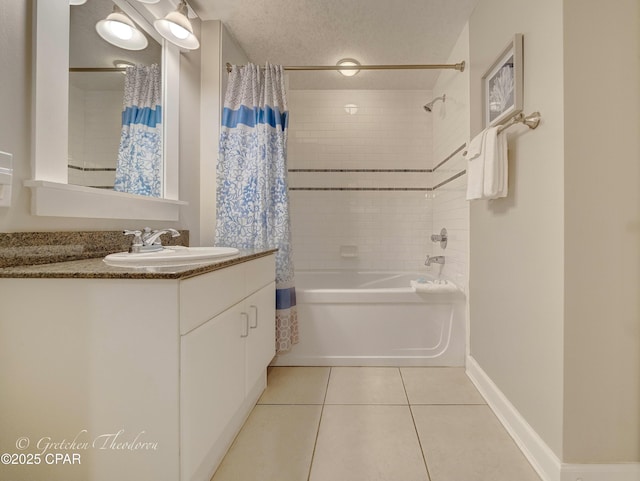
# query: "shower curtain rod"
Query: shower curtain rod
437,66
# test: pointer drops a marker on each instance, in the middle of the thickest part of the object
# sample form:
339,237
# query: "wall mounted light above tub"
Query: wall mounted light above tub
351,109
119,30
177,28
348,62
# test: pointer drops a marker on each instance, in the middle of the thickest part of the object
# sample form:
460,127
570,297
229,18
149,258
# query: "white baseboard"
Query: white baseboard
541,457
600,472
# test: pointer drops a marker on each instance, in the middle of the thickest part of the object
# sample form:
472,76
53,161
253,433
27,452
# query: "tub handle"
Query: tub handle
255,317
245,325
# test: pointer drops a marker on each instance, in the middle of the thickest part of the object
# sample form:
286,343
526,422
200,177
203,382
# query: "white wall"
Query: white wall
555,267
602,232
389,131
516,279
217,48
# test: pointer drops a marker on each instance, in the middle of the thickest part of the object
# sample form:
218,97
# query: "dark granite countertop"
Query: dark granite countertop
97,269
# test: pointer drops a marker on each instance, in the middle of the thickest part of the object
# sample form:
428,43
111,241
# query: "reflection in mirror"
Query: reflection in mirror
110,135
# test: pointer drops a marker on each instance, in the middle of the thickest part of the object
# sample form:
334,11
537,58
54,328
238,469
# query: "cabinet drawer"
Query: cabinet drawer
260,273
205,296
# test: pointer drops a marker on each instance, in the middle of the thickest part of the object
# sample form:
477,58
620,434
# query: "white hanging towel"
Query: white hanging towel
475,167
495,164
487,171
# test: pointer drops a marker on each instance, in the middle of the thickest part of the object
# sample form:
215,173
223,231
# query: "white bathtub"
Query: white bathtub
363,318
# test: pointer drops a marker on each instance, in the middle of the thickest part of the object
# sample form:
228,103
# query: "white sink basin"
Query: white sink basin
170,256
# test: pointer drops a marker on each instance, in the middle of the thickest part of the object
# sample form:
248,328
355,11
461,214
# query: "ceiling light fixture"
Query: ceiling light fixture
348,62
177,29
119,30
124,64
77,2
149,1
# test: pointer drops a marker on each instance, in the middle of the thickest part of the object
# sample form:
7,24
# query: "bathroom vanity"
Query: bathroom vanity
144,374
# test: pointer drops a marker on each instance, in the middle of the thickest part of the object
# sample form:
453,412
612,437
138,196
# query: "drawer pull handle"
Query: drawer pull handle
245,325
255,317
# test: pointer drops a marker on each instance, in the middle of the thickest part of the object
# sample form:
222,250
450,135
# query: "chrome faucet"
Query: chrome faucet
434,260
152,237
148,240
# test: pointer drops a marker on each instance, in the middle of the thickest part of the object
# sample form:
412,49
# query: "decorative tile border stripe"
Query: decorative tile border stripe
451,156
450,179
363,189
423,171
383,189
400,171
92,169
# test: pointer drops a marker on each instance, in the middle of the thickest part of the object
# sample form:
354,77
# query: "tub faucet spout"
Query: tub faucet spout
434,260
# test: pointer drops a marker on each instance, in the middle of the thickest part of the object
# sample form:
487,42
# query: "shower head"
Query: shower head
429,106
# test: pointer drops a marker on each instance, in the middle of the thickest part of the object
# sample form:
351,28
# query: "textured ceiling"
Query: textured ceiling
321,32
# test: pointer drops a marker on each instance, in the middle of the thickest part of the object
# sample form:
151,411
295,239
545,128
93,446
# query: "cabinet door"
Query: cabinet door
212,386
261,342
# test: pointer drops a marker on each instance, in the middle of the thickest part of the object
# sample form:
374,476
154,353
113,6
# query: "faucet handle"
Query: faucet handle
137,237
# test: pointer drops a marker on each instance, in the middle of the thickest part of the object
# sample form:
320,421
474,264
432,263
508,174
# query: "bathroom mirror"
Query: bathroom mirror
96,90
52,194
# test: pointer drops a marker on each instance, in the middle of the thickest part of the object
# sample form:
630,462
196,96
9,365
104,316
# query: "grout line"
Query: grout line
413,420
315,443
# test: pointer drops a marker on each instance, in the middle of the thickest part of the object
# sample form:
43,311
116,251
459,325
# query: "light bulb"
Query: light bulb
121,30
178,31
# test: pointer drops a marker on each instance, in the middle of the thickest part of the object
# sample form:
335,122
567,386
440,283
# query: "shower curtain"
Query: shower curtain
252,196
139,167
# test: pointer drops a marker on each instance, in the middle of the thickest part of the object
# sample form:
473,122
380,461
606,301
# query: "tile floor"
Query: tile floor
372,424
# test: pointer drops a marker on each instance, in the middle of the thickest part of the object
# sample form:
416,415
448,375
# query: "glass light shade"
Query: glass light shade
177,29
148,1
119,30
77,2
348,62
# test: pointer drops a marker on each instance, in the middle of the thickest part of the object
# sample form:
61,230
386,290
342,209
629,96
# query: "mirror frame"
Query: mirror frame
51,194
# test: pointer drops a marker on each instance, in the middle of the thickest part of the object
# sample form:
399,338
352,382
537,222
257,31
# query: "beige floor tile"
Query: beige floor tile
367,443
439,385
463,443
295,385
365,385
275,444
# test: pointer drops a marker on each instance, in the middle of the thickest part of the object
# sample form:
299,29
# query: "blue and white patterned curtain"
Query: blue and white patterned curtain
139,168
253,196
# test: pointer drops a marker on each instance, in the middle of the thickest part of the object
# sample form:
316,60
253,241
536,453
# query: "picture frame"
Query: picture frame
502,85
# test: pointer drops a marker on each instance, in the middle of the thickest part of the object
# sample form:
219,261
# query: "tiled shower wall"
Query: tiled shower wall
359,179
450,132
95,121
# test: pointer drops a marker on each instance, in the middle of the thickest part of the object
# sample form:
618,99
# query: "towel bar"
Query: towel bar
532,121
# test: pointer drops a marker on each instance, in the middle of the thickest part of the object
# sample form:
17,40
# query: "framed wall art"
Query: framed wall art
502,85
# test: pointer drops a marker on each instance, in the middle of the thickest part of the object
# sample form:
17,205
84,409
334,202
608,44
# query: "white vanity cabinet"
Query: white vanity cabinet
148,378
223,360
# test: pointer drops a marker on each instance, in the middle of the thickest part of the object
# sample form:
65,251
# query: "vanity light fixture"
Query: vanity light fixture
119,30
348,62
177,29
